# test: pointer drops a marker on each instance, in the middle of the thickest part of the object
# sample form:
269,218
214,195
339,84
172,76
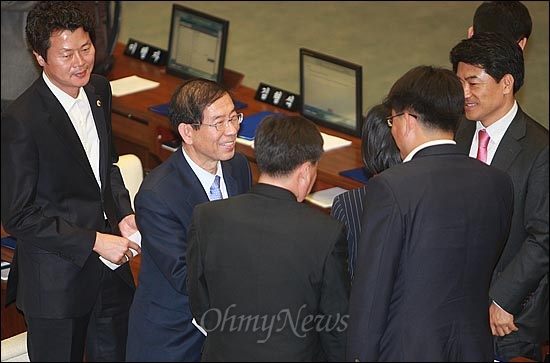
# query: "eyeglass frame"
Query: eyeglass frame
230,120
389,119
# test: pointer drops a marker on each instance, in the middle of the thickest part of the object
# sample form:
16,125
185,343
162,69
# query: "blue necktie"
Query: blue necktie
215,191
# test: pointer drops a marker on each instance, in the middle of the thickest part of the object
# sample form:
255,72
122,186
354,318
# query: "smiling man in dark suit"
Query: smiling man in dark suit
64,200
492,70
203,114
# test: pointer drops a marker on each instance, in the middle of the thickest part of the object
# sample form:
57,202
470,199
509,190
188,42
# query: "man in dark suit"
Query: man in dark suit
203,114
64,200
431,236
492,70
379,152
267,274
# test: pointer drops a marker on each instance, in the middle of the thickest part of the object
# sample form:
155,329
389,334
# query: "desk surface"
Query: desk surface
136,107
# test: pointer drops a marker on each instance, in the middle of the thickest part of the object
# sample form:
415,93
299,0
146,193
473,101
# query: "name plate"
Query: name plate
146,52
277,97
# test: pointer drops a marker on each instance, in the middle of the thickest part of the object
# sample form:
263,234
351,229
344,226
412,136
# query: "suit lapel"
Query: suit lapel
230,182
96,105
62,125
509,147
188,176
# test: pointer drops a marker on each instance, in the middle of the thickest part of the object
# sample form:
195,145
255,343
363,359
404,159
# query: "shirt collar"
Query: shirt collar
205,177
427,144
66,100
497,130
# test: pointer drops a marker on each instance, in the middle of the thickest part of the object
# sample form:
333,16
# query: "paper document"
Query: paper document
324,198
245,142
333,142
135,237
125,86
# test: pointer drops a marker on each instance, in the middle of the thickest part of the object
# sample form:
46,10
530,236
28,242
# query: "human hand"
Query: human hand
502,322
128,225
114,248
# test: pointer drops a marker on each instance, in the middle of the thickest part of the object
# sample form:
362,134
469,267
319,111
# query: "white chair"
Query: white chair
14,349
132,173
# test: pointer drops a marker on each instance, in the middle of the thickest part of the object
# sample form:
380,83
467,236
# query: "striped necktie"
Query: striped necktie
215,191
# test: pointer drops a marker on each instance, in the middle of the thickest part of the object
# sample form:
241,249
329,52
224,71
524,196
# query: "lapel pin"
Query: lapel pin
98,103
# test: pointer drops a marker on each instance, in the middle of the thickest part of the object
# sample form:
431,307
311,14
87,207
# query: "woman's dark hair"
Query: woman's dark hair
378,147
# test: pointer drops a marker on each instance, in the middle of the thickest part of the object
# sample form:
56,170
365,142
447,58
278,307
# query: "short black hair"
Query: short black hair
510,18
283,142
435,95
497,55
47,17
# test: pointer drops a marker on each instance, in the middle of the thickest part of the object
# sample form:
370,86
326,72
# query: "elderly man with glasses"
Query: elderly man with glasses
205,167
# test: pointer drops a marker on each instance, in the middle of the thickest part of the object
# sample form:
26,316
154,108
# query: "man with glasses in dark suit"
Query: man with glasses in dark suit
430,237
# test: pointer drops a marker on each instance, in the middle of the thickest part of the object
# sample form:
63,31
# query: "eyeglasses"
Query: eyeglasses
234,120
389,120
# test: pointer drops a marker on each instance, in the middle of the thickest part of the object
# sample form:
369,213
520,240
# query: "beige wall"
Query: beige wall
386,37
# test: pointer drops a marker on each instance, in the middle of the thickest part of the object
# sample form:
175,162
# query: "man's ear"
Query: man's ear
186,132
411,123
39,59
470,32
306,178
522,42
508,83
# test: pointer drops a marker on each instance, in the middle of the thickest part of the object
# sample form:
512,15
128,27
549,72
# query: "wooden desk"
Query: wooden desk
140,131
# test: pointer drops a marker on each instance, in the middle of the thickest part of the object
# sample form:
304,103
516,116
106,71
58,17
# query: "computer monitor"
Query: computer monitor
197,44
331,92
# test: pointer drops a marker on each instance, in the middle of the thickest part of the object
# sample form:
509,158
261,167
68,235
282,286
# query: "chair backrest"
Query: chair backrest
131,169
14,349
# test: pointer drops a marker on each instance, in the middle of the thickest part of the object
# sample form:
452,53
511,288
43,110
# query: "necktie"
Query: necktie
215,191
483,141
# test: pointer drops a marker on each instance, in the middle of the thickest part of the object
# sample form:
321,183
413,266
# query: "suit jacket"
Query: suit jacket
520,280
267,278
348,209
160,326
433,229
53,205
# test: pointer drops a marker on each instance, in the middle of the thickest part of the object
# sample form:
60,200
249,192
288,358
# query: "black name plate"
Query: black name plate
146,52
277,97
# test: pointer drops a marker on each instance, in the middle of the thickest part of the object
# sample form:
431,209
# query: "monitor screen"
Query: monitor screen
331,92
197,44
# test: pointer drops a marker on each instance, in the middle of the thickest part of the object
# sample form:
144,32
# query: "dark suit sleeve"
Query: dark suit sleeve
333,304
121,196
22,216
163,233
524,273
379,251
196,281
